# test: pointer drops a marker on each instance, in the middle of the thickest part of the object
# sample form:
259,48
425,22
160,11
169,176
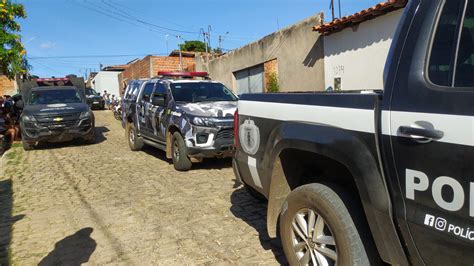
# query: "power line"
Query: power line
113,16
87,56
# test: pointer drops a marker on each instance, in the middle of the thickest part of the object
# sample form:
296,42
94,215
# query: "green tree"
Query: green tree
194,46
273,85
12,53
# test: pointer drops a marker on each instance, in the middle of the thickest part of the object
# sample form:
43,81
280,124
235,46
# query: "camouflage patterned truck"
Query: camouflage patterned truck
189,119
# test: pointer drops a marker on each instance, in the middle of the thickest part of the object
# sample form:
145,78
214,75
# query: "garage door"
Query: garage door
250,80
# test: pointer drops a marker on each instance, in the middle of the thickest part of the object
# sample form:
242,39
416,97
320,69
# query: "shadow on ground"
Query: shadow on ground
206,164
254,212
6,219
99,137
72,250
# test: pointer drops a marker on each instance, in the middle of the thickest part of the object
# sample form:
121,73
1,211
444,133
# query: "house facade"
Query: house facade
356,47
294,54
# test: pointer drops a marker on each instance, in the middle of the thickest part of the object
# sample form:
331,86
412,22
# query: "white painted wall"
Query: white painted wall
357,55
106,81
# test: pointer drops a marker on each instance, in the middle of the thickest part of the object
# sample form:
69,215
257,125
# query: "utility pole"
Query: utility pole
209,29
221,40
332,9
167,50
180,54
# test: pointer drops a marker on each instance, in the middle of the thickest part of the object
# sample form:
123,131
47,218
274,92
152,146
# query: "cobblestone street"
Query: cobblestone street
104,204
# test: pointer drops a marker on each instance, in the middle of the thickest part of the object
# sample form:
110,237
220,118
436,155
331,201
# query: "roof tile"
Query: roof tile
359,17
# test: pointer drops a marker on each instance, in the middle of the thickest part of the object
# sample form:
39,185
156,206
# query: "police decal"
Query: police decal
249,137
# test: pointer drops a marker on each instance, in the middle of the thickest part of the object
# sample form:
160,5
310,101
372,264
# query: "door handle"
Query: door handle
415,132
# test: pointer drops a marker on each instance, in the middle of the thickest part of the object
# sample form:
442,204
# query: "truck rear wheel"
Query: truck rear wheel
317,228
135,141
27,146
181,160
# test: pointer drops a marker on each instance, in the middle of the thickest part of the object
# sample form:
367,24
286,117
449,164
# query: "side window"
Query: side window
464,76
441,65
147,91
451,59
160,89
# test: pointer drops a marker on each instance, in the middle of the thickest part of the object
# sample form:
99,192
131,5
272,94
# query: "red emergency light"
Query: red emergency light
183,74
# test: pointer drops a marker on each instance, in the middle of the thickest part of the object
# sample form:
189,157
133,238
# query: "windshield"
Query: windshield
91,92
54,96
201,92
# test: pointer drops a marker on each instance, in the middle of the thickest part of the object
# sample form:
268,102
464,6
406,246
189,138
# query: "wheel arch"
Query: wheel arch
169,137
332,148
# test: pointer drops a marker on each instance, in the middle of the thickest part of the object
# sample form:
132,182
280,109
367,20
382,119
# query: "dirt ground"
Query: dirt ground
104,204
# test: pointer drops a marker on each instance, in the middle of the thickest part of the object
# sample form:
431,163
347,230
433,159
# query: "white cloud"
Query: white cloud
48,45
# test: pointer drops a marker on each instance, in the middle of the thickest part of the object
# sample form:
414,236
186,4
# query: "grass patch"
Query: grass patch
14,155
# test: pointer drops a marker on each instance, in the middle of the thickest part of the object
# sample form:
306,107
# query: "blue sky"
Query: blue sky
63,28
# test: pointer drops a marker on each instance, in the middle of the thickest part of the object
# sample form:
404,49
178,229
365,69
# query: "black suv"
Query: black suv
94,99
56,114
189,119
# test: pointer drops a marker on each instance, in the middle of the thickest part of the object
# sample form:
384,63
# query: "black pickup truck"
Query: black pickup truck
189,119
356,178
54,113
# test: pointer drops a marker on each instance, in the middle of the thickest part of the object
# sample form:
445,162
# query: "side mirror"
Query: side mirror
158,100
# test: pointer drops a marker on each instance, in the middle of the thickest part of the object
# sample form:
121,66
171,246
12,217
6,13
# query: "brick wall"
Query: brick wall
143,69
270,67
7,86
167,63
137,70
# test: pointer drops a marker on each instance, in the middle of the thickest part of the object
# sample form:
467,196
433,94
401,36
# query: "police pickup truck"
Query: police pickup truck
55,110
356,178
189,119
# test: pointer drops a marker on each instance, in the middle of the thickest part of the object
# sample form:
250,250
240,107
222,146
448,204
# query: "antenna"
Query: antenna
331,6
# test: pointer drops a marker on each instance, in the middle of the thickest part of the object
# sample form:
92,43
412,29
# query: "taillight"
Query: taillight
236,128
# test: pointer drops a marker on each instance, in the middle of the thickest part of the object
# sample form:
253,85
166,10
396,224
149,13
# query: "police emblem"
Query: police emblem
249,137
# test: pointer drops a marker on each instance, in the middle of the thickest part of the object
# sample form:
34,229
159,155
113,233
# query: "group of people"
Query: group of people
10,110
110,100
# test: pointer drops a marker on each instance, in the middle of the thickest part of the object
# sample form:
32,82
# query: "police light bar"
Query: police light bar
50,79
183,74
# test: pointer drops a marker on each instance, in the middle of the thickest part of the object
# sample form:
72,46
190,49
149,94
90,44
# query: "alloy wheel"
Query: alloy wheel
176,150
312,239
131,136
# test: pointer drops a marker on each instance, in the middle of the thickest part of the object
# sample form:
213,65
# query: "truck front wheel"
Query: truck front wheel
316,228
135,142
27,146
181,160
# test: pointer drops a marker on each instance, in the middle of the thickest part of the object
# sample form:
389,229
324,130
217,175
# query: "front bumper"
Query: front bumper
33,131
97,104
219,143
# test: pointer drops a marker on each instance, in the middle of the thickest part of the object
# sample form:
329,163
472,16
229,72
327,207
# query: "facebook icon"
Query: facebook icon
429,220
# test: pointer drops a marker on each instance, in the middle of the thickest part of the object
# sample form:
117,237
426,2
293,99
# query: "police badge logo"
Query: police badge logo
249,137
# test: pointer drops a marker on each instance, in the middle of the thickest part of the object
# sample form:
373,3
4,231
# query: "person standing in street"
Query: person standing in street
107,99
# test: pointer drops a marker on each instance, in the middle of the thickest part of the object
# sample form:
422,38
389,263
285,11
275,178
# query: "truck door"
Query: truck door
143,109
432,131
158,112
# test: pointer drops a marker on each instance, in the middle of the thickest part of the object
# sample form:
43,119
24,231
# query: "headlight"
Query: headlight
86,114
29,118
204,121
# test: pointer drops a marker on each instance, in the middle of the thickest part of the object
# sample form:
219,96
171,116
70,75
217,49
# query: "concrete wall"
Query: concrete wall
298,50
357,55
107,81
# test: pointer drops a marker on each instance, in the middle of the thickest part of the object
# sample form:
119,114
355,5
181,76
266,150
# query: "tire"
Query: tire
135,141
28,146
181,160
340,239
90,139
